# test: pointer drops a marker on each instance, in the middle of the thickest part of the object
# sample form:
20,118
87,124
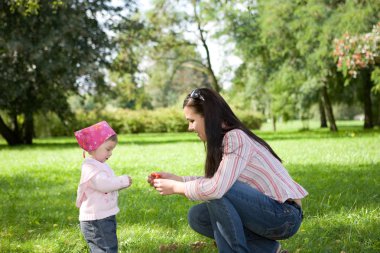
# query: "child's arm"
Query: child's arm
106,184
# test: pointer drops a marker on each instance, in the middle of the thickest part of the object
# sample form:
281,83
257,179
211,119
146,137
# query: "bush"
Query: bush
128,121
250,119
46,125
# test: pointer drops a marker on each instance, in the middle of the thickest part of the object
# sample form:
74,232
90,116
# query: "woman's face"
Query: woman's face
196,122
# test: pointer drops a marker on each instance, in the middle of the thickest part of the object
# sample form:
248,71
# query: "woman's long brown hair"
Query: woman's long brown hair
219,119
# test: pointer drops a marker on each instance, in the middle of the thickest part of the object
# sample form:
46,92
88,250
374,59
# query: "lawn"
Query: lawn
340,170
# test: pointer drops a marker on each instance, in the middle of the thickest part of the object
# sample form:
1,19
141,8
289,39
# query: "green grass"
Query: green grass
340,170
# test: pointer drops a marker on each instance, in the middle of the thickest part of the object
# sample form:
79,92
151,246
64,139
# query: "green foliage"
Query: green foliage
52,49
358,51
131,42
42,55
162,53
30,7
250,119
287,50
339,170
129,121
140,121
127,93
375,76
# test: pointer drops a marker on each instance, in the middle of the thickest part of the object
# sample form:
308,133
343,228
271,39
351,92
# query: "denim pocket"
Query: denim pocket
288,222
281,232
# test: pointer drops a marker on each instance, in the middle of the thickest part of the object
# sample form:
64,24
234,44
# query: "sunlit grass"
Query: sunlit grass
38,185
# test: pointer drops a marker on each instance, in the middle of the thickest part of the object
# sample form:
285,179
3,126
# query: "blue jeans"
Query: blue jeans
100,235
245,220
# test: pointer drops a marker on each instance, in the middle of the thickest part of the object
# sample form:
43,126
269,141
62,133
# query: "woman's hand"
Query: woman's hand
169,186
164,175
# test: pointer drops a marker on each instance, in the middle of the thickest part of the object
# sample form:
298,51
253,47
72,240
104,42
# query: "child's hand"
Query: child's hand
127,181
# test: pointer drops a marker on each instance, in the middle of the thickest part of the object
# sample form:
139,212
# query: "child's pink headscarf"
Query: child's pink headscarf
90,138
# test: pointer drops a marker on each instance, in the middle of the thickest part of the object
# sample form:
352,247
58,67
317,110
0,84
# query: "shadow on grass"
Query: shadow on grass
46,199
331,190
329,236
37,204
69,143
346,132
169,138
335,187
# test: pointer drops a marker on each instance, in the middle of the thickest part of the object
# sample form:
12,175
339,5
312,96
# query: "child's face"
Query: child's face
104,151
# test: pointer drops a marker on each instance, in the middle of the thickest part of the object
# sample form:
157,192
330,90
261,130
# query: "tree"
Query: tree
42,54
358,57
125,71
167,49
278,37
27,7
197,12
273,71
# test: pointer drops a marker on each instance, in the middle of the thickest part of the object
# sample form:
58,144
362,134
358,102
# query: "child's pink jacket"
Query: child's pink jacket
98,190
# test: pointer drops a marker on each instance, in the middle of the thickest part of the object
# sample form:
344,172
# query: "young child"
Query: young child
98,188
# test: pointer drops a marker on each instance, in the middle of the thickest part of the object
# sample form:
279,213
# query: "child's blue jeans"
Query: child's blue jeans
245,220
100,235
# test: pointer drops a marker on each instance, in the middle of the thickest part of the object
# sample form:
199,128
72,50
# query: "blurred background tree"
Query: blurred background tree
74,59
49,50
359,60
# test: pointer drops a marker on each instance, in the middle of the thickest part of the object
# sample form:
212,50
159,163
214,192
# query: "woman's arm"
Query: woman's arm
236,154
164,175
171,184
168,186
234,161
167,183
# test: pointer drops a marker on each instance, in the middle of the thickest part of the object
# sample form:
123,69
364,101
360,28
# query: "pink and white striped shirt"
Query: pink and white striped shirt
247,161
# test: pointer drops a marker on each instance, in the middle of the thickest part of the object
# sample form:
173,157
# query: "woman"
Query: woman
250,199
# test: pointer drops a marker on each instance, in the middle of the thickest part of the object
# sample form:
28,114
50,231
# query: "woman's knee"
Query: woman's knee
198,214
199,220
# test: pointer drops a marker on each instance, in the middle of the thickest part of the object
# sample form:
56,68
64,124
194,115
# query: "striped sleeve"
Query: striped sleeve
234,161
189,178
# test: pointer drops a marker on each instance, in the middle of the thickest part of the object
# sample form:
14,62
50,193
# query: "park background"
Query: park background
304,75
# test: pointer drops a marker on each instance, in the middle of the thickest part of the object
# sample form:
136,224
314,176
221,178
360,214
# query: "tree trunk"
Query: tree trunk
322,113
367,102
328,107
214,80
274,123
11,137
28,128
